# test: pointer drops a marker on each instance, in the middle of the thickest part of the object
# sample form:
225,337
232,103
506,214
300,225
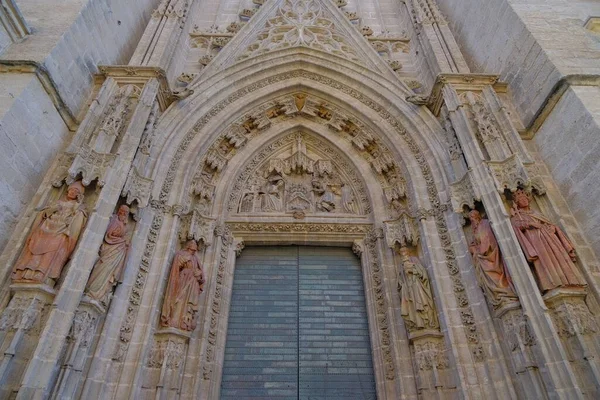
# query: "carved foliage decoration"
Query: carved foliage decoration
167,352
509,174
83,328
299,174
22,313
517,328
430,355
302,23
171,9
572,317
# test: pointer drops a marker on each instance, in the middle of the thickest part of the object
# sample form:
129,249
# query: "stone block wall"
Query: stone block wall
69,40
534,45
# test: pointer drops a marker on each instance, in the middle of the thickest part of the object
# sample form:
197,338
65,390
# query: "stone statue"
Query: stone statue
186,281
417,306
52,239
109,267
348,202
489,265
271,196
545,246
324,195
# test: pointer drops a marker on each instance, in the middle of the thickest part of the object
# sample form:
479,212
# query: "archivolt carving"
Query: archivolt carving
438,211
237,135
302,23
299,174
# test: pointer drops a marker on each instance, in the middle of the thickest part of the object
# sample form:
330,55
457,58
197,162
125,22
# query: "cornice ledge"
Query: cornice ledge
33,67
461,83
139,75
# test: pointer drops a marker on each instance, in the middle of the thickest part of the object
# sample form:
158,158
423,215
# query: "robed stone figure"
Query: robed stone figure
186,282
545,246
108,270
52,239
417,306
489,265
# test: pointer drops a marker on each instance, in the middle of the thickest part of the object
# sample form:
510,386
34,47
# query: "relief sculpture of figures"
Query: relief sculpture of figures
52,239
186,282
545,246
417,306
109,267
489,265
271,197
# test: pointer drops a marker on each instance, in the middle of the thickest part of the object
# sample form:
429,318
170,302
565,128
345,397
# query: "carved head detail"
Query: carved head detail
123,213
191,246
521,198
75,191
475,217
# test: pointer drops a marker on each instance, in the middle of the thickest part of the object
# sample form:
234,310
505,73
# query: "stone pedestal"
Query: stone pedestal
165,364
79,344
520,344
434,378
20,326
577,328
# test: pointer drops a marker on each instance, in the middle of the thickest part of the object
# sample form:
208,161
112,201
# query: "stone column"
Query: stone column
558,375
110,174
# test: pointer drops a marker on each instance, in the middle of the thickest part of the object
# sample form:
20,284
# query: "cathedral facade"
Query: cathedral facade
300,199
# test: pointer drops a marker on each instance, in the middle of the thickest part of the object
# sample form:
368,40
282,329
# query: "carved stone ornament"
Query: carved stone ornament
462,193
509,174
403,231
299,173
302,23
437,213
166,351
426,12
516,326
137,188
91,165
195,226
171,9
23,313
83,328
571,315
431,355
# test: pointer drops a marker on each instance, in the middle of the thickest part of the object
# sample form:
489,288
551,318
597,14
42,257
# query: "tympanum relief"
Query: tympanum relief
302,176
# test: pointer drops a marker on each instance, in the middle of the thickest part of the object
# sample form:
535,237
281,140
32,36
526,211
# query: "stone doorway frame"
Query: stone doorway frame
366,242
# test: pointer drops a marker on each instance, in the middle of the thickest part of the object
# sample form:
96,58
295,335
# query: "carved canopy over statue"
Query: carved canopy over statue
186,282
545,246
109,267
52,239
417,305
489,265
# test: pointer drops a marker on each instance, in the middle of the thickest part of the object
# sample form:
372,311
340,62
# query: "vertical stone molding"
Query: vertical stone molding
12,20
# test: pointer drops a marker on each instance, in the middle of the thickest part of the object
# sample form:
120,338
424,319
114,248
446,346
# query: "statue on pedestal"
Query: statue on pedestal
489,265
109,267
545,246
186,282
52,239
417,306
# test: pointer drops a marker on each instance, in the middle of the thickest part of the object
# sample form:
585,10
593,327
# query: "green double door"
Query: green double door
298,327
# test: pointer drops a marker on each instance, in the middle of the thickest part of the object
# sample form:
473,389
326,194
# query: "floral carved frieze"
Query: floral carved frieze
299,174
